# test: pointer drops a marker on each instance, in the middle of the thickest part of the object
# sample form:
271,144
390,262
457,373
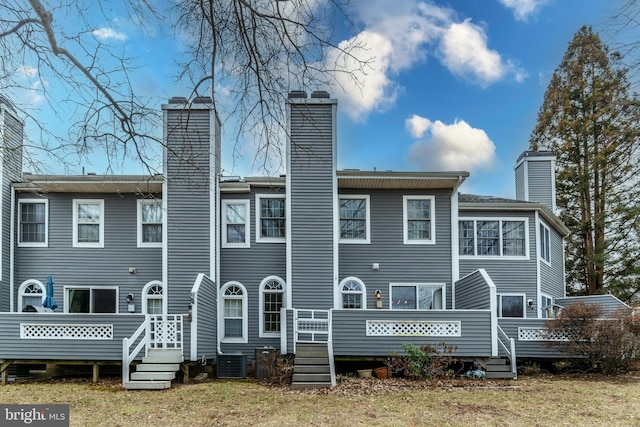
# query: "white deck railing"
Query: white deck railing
511,350
157,331
312,325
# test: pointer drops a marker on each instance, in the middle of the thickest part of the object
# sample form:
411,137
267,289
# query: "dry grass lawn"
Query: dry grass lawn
529,401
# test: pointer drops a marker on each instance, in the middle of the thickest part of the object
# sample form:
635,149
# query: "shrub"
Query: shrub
422,362
609,344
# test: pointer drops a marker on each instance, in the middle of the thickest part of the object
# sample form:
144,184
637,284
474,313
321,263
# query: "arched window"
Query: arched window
271,301
234,300
353,292
30,292
152,295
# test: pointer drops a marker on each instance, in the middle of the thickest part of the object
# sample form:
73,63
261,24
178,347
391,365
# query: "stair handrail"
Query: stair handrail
332,365
511,351
127,356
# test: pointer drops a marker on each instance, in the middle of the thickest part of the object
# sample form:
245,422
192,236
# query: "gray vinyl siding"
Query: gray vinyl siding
13,347
189,196
249,266
529,349
399,263
350,339
11,170
608,302
552,276
540,182
83,266
520,182
509,275
312,198
207,322
472,293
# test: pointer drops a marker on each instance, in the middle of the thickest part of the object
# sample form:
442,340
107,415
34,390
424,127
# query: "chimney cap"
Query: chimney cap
297,94
178,100
319,94
203,100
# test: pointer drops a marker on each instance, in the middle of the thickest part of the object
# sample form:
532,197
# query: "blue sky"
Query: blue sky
456,85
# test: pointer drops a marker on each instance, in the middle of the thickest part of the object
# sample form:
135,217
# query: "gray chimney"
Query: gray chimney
536,178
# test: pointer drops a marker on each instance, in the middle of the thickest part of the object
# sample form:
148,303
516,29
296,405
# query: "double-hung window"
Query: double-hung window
149,222
271,302
236,220
234,300
545,244
422,296
418,218
88,223
353,293
101,299
354,219
271,219
485,237
34,221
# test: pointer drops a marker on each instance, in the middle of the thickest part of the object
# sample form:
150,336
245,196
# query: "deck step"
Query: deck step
312,378
147,385
310,385
157,367
311,360
162,359
150,375
312,369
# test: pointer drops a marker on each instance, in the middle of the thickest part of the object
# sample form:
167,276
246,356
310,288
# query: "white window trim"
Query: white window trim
145,296
245,316
544,241
24,285
512,294
500,220
405,213
45,202
540,307
100,242
142,202
264,334
443,286
247,223
66,290
364,292
367,199
259,238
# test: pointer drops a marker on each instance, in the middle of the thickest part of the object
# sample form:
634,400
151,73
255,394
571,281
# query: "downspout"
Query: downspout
12,250
217,264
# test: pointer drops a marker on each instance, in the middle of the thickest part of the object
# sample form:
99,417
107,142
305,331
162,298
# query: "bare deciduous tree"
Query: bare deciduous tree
246,54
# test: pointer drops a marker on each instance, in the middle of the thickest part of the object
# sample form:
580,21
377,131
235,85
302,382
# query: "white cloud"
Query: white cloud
522,9
26,71
463,50
417,126
400,35
108,34
456,146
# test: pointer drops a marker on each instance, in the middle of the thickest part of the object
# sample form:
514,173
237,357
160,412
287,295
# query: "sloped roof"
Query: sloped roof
140,184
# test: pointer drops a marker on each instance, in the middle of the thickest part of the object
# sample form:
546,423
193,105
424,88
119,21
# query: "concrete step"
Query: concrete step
311,378
153,376
311,369
147,385
158,367
311,360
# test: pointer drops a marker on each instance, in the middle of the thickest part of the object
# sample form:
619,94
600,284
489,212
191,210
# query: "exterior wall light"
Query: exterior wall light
378,295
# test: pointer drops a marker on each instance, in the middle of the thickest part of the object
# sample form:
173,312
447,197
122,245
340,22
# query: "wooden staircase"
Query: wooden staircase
312,366
497,368
156,371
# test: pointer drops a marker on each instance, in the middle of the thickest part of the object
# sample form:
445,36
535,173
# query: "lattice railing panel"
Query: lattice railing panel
540,334
65,332
413,328
166,331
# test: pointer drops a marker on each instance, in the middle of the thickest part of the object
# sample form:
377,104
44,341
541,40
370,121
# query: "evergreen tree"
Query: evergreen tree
589,120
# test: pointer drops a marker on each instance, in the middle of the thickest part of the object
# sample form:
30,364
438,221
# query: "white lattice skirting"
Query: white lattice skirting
65,332
539,334
386,328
